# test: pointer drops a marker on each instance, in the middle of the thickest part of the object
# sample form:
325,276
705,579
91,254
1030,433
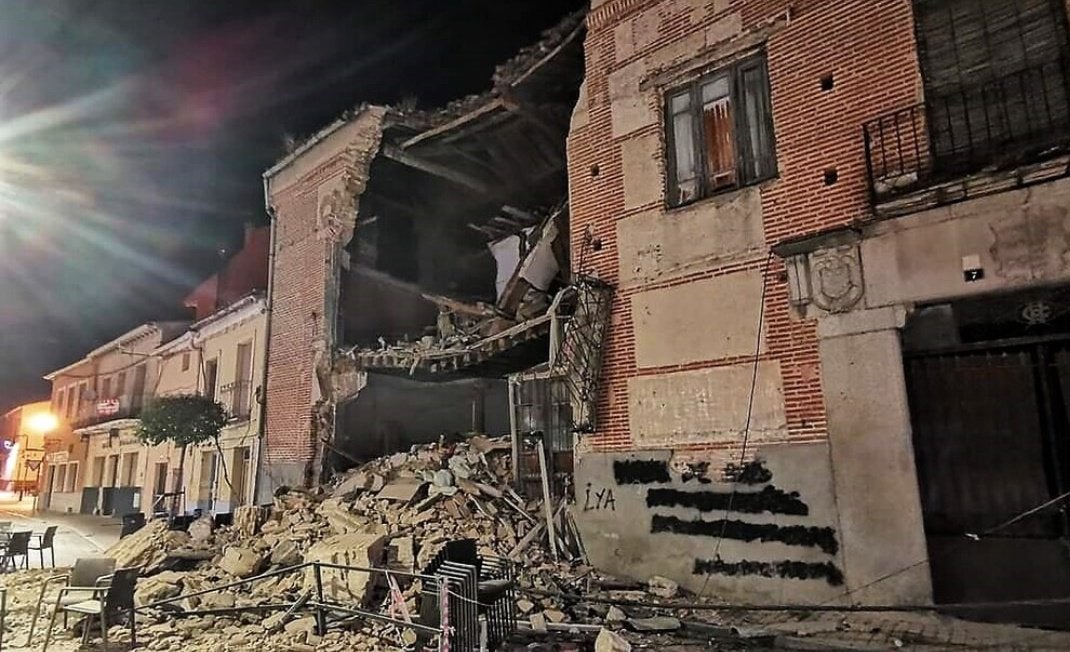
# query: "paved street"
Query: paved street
78,535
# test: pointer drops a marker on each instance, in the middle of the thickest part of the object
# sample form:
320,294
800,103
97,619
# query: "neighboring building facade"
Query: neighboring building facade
98,465
24,432
837,233
99,399
220,356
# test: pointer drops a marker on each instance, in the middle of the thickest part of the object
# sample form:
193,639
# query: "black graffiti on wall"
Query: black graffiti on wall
792,535
753,472
788,569
753,492
599,499
640,471
770,499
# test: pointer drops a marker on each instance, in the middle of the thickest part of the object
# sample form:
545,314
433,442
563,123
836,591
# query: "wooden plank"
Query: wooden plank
547,506
524,216
435,169
533,534
551,55
490,107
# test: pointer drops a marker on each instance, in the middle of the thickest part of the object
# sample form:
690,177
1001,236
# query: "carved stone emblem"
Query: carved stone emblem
1036,313
836,276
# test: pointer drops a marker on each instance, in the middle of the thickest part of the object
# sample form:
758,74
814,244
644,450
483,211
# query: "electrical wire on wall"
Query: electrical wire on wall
750,411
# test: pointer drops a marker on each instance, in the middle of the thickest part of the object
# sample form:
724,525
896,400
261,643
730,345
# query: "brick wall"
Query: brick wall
314,200
634,50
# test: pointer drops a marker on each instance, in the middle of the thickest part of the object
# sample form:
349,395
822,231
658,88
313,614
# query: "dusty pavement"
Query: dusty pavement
78,535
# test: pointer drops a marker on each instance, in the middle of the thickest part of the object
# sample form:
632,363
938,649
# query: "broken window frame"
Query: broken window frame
753,138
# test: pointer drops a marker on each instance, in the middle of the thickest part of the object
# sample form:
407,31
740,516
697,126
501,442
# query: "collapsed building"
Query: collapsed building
421,281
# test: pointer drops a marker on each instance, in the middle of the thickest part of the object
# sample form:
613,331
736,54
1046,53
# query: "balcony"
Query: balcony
982,139
237,397
92,413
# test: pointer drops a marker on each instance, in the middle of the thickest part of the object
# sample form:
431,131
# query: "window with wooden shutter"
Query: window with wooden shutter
719,131
718,125
995,76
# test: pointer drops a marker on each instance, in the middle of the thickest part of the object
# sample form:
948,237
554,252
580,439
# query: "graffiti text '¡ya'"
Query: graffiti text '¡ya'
599,500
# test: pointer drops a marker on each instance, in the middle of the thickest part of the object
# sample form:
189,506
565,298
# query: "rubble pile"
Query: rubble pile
395,512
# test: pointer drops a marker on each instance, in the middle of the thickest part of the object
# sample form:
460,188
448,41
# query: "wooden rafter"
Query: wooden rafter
399,155
489,107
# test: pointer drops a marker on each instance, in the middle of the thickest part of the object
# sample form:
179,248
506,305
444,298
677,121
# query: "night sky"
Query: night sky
133,134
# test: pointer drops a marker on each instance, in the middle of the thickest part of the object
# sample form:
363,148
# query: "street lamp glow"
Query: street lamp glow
42,422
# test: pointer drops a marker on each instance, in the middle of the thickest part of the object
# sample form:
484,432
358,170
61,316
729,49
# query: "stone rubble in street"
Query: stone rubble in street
394,512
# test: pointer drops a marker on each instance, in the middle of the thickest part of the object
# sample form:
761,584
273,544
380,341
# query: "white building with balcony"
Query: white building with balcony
222,357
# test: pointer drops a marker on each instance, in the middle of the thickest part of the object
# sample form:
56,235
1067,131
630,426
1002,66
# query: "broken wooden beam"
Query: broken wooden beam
399,155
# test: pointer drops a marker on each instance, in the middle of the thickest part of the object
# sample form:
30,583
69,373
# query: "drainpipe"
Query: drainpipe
262,425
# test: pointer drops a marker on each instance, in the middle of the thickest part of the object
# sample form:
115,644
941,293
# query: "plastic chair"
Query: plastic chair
18,545
86,573
45,542
113,596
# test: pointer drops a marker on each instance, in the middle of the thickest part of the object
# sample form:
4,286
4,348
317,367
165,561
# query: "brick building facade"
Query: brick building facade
771,187
312,196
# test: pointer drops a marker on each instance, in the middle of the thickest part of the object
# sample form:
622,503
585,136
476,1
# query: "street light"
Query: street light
38,423
42,423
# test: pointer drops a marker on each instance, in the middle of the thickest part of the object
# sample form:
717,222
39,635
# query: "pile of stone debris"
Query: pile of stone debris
395,512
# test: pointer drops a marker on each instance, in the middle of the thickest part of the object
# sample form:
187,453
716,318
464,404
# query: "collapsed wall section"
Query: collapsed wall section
312,196
391,414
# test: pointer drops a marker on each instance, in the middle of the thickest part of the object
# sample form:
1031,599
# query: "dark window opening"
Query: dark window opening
720,132
211,369
137,394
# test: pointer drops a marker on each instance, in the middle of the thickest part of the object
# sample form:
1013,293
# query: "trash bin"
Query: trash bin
180,522
131,523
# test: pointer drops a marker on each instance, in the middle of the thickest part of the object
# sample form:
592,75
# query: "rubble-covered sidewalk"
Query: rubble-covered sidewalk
397,513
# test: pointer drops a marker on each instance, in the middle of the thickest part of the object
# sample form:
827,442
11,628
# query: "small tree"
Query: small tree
183,420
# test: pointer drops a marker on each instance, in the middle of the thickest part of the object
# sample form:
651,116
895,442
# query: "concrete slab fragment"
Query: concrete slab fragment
403,491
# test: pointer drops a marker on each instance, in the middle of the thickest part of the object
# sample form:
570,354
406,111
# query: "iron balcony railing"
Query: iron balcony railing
95,412
238,398
998,124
